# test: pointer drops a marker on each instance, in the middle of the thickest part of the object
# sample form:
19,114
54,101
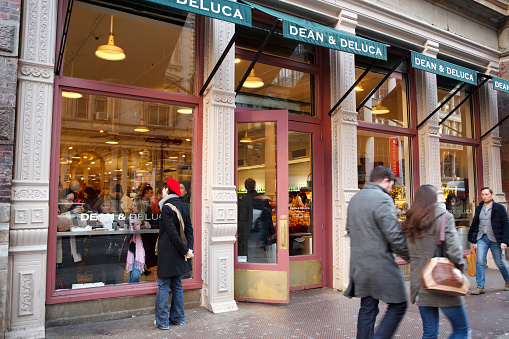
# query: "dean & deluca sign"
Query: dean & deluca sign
444,68
335,39
219,9
500,85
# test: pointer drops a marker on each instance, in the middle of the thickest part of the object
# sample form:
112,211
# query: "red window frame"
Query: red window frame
133,93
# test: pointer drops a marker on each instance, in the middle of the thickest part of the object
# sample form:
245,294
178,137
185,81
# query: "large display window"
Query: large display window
392,151
388,105
457,172
115,154
461,122
156,54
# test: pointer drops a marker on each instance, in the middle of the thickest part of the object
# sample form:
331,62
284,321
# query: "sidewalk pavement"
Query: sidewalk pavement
316,313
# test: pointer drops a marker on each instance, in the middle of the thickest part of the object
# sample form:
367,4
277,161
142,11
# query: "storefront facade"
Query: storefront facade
96,138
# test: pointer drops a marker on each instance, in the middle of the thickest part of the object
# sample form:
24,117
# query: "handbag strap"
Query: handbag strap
441,238
179,216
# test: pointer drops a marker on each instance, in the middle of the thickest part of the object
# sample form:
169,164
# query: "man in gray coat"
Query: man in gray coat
374,274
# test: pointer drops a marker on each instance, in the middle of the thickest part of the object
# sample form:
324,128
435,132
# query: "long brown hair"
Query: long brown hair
421,216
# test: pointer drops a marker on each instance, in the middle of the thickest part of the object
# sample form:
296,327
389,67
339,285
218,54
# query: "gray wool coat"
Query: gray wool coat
375,236
421,249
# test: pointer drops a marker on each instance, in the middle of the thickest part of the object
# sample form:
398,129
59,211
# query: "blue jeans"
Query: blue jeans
135,276
482,250
177,315
456,315
367,318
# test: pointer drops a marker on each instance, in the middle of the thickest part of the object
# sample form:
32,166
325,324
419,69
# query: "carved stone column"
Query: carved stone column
344,150
220,197
492,175
429,136
30,189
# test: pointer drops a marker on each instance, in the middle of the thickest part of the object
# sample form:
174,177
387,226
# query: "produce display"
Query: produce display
299,219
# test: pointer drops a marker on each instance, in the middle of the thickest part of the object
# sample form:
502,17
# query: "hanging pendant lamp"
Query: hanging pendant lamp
110,51
380,109
141,128
246,139
253,81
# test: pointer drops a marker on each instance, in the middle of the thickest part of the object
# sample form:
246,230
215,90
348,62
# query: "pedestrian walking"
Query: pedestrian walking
422,228
489,230
374,274
175,247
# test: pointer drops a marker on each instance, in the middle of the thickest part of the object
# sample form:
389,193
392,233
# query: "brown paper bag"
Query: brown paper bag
471,262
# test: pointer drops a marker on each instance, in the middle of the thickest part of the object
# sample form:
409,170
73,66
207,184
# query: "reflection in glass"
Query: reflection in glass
458,184
277,88
110,176
460,123
256,184
159,54
377,149
300,196
389,104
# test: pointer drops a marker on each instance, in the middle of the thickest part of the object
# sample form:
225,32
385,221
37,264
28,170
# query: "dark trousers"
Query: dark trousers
367,318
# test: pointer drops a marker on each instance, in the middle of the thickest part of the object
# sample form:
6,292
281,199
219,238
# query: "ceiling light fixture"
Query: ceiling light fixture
253,81
71,95
113,140
359,88
237,60
185,110
141,128
380,109
246,140
110,51
76,156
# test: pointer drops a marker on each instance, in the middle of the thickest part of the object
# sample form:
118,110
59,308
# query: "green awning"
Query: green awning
443,68
316,34
500,85
225,10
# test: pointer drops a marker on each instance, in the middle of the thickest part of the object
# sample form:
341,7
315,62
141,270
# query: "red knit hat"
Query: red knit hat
173,185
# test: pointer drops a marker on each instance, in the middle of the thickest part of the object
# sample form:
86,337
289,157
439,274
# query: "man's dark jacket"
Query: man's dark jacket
499,223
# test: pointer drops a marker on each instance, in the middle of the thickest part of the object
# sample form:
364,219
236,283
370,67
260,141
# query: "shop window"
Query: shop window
111,172
460,123
300,193
159,54
457,173
276,88
251,39
392,151
503,110
389,105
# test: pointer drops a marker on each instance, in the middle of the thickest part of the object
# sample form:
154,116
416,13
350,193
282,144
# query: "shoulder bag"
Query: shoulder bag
440,275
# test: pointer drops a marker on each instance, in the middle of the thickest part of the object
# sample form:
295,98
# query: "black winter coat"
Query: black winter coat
171,248
499,223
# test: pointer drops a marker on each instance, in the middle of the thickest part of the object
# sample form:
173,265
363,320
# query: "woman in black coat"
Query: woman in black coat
175,247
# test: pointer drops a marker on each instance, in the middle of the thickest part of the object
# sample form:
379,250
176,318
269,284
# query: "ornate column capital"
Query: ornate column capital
347,21
431,48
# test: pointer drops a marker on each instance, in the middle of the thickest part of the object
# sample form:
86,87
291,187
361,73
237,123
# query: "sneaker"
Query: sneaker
182,323
161,328
506,288
479,290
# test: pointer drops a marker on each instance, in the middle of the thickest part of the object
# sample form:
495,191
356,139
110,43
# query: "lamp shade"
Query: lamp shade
141,129
380,109
246,139
112,141
185,110
253,81
71,95
110,51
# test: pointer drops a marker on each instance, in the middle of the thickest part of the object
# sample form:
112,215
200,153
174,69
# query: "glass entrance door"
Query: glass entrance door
262,260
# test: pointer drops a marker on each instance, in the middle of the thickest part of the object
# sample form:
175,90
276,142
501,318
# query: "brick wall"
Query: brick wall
9,41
